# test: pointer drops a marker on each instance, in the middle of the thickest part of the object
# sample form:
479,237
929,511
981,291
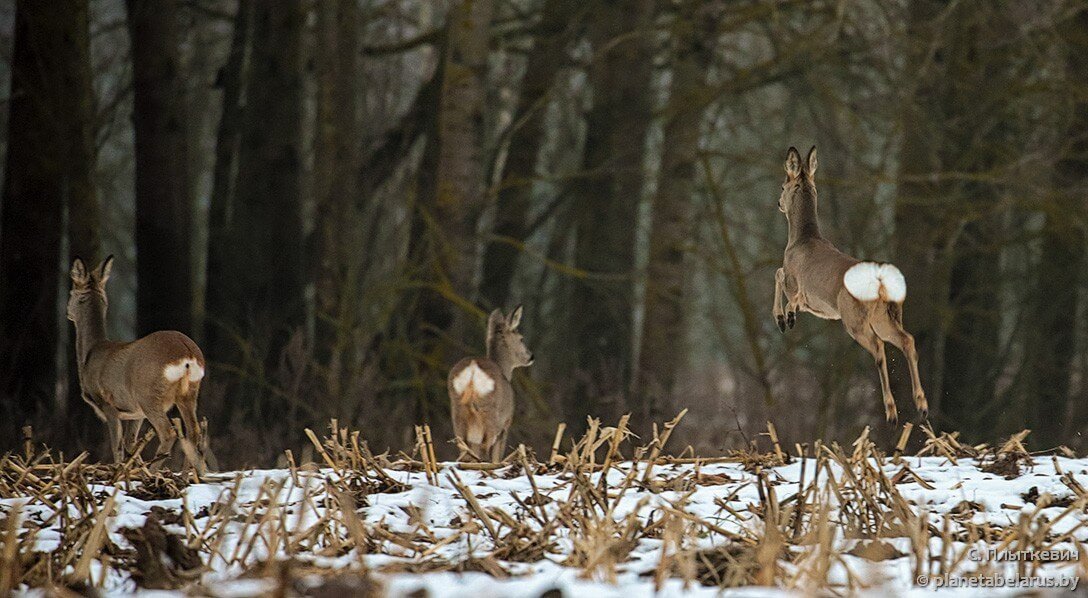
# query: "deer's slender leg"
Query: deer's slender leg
858,326
895,334
206,447
187,407
499,447
890,412
193,441
478,452
875,346
94,405
164,431
133,435
776,309
113,426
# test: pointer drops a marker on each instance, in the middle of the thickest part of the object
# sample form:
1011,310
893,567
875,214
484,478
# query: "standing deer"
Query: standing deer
481,395
818,278
132,381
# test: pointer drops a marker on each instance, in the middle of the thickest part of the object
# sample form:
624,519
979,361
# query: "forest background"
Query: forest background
330,196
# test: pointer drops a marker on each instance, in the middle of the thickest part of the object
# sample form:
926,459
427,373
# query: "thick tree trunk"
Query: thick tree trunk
948,234
548,56
450,191
979,125
335,260
662,356
258,288
459,183
200,50
921,231
164,291
607,199
430,320
231,79
972,344
50,164
1052,341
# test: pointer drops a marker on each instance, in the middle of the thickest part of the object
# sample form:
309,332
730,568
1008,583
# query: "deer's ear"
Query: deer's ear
812,162
515,318
793,163
79,271
104,271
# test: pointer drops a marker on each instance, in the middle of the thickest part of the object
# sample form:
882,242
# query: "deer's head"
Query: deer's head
800,178
505,344
88,295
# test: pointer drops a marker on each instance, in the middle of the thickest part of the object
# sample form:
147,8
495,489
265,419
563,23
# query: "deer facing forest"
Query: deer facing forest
480,389
818,278
131,381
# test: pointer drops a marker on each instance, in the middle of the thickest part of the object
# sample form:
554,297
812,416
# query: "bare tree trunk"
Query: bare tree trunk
199,48
548,56
257,291
459,184
663,354
84,225
607,201
980,128
449,196
231,79
50,163
1052,341
335,259
947,231
450,189
164,291
972,343
921,230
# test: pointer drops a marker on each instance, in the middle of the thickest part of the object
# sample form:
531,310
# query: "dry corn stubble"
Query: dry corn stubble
596,506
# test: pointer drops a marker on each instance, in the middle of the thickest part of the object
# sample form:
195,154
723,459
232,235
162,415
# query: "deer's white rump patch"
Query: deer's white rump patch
869,281
474,377
185,366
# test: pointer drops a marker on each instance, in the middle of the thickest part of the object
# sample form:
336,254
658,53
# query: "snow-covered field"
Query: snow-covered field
850,521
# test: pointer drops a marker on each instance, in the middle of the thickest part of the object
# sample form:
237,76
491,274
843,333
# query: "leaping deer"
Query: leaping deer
818,278
132,381
481,395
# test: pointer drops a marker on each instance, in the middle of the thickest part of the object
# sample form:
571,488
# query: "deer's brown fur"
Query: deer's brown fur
131,381
480,389
812,280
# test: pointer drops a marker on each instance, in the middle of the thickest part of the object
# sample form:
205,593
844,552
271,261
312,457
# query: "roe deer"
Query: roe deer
131,381
481,395
818,278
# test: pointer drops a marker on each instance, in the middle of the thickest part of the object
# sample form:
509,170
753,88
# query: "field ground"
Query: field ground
604,518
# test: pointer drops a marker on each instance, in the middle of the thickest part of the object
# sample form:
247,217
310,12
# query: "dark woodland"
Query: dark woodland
330,197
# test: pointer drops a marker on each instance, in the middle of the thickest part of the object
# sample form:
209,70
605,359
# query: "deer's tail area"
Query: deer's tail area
870,281
472,382
184,371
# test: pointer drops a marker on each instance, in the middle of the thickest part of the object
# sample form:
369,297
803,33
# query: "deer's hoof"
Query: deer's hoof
781,323
791,319
922,404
